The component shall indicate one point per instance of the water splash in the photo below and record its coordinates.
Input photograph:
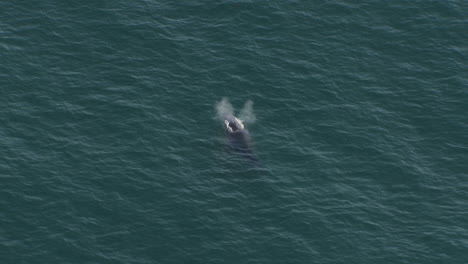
(247, 115)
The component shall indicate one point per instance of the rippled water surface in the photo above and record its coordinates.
(111, 150)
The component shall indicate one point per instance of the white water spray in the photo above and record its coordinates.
(247, 115)
(224, 107)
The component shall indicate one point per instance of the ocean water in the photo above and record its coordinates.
(111, 150)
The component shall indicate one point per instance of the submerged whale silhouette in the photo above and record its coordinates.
(239, 137)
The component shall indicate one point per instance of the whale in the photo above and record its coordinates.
(239, 137)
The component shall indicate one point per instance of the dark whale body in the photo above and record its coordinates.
(238, 136)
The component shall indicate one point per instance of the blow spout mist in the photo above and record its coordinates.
(247, 115)
(224, 108)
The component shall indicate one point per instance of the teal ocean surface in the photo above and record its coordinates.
(111, 150)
